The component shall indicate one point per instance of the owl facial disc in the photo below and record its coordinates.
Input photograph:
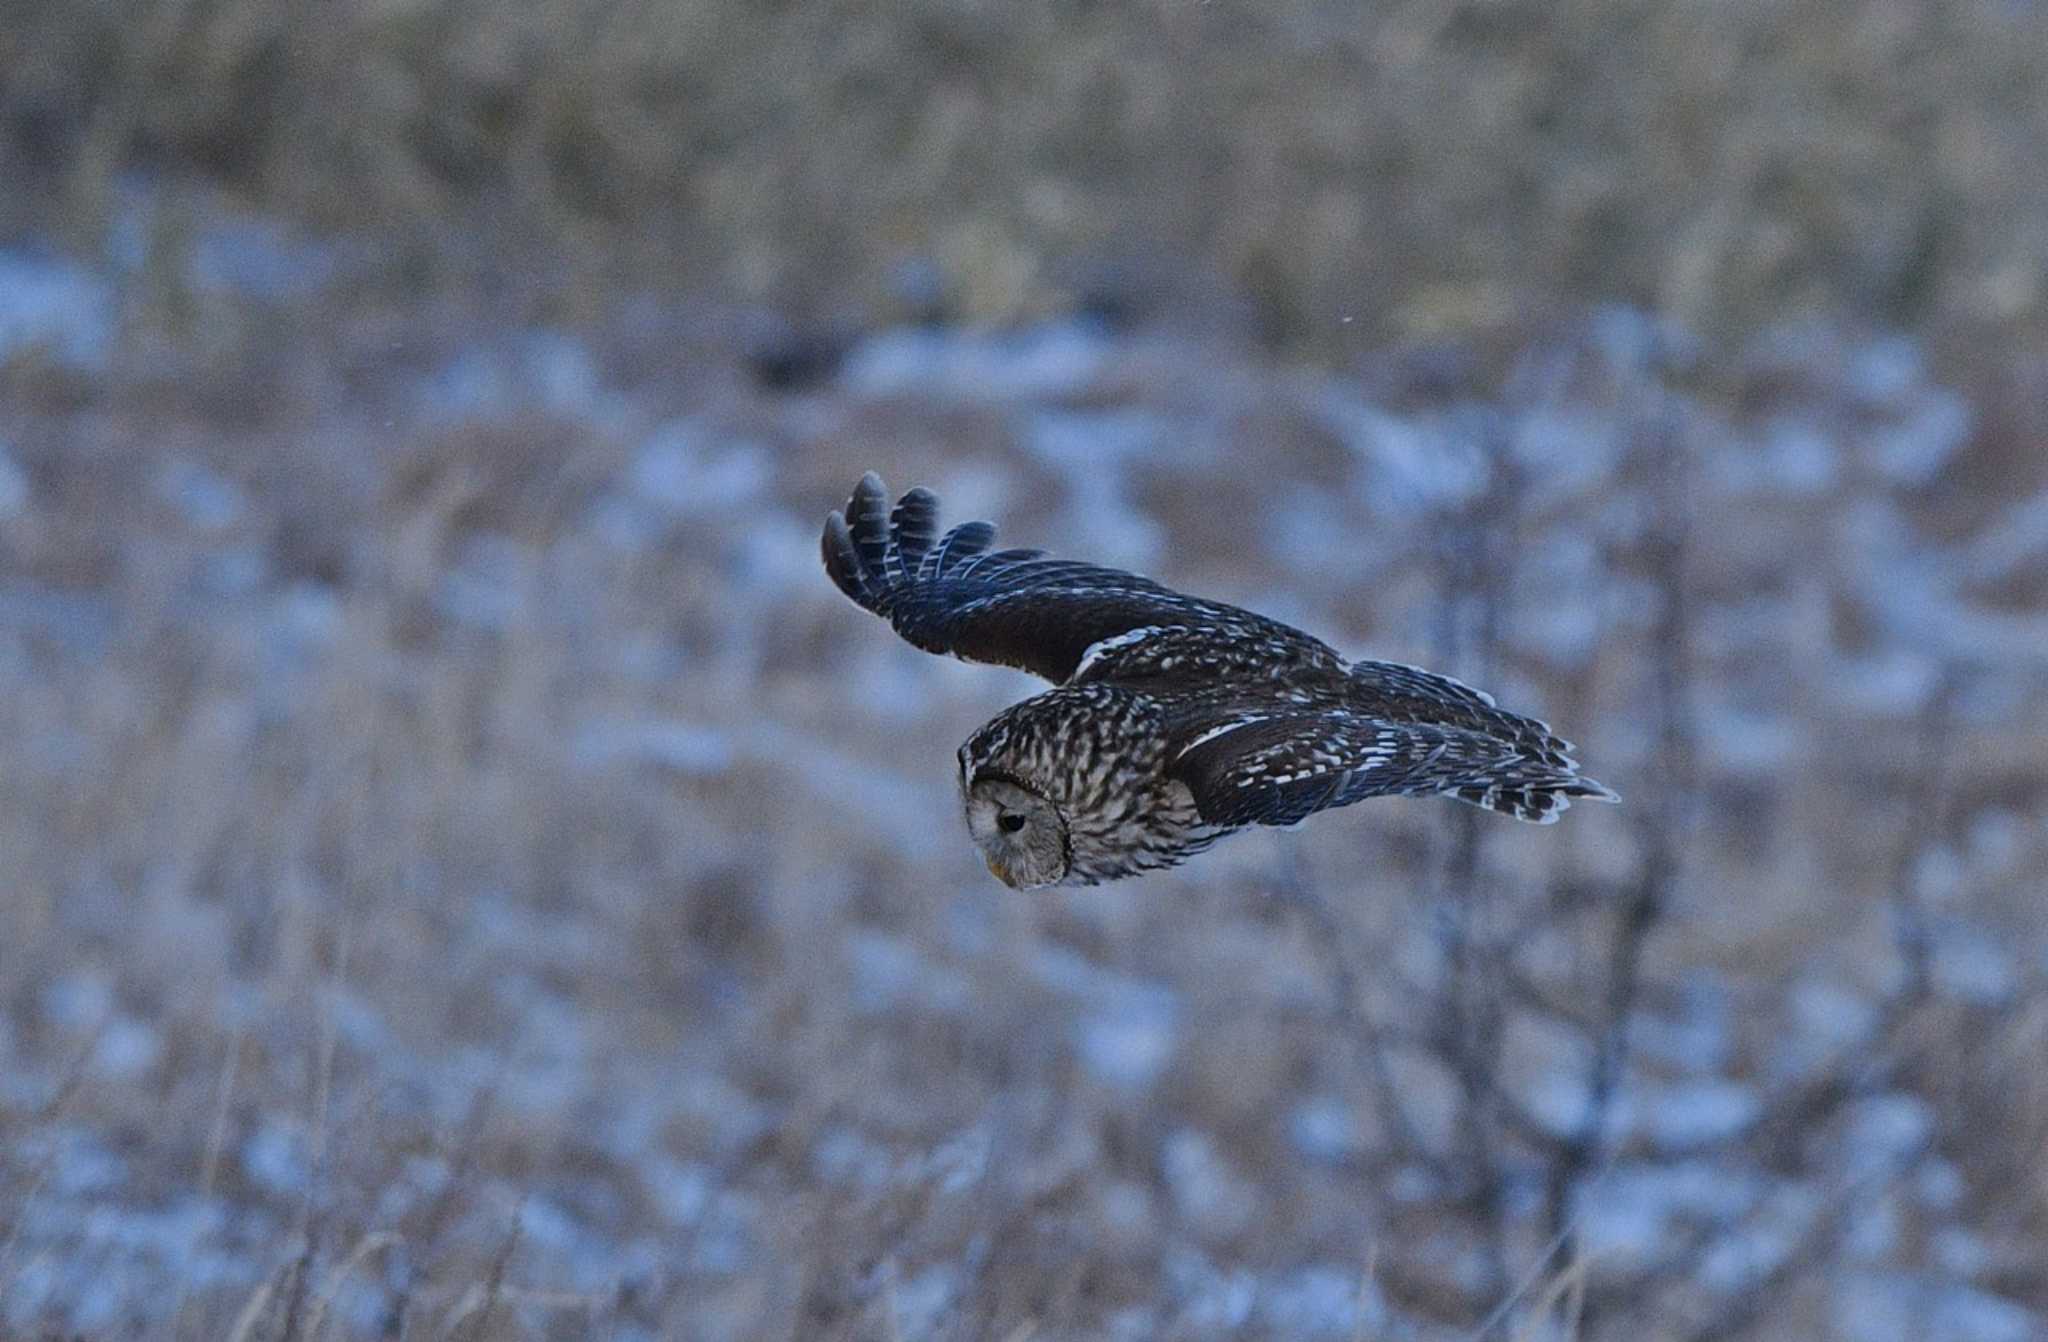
(1021, 835)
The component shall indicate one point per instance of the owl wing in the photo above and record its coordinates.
(1259, 766)
(1053, 617)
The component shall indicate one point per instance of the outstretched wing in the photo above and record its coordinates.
(1261, 767)
(1410, 694)
(1056, 618)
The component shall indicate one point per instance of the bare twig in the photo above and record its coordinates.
(1744, 1307)
(1506, 1308)
(376, 1242)
(1475, 538)
(217, 1132)
(474, 1312)
(1659, 819)
(1370, 1041)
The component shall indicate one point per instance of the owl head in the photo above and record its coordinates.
(1022, 835)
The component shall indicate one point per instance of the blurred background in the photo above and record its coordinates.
(468, 874)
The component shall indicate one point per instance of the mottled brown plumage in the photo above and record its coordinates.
(1173, 720)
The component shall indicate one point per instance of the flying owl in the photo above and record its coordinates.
(1172, 721)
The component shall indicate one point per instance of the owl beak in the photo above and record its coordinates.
(998, 870)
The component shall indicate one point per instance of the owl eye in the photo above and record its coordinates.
(1010, 823)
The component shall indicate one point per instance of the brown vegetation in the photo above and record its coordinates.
(1411, 169)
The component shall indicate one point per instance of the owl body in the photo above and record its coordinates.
(1174, 720)
(1098, 753)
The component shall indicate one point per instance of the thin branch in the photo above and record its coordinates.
(1658, 823)
(1369, 1040)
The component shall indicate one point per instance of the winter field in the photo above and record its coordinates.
(467, 873)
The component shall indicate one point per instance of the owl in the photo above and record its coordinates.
(1172, 720)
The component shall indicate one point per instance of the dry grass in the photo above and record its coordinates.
(1414, 169)
(466, 889)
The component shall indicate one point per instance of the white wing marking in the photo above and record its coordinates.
(1215, 732)
(1101, 646)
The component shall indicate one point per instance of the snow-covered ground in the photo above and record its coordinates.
(466, 867)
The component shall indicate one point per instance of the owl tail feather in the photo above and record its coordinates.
(1508, 763)
(1539, 800)
(873, 551)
